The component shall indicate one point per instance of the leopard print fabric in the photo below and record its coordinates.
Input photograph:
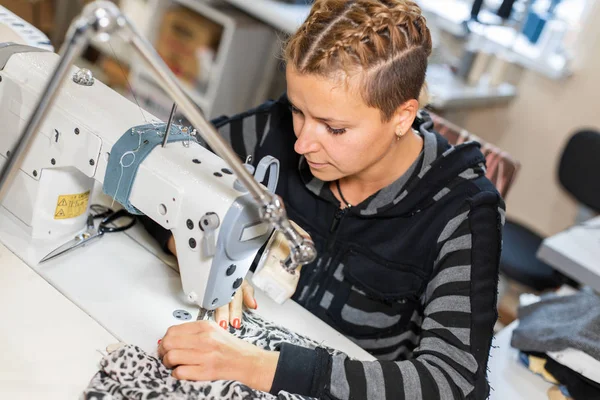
(131, 373)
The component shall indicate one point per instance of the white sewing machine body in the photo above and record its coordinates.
(177, 186)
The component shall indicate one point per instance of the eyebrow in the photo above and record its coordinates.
(322, 119)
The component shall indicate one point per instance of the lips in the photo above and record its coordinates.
(316, 165)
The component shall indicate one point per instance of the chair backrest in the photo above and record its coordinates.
(501, 167)
(579, 168)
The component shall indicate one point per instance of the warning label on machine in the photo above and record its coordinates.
(71, 205)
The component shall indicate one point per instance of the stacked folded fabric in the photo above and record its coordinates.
(559, 339)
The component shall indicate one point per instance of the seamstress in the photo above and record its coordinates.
(407, 227)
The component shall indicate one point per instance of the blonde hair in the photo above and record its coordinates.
(387, 39)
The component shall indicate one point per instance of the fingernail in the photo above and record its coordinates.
(255, 304)
(159, 340)
(223, 324)
(236, 323)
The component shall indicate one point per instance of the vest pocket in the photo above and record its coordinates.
(372, 298)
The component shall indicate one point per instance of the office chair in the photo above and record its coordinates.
(579, 175)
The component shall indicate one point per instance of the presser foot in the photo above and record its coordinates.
(204, 314)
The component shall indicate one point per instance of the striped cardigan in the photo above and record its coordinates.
(410, 274)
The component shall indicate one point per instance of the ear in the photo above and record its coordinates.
(404, 117)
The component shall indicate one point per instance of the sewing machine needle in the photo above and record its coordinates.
(169, 123)
(204, 314)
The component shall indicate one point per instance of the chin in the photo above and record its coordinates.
(325, 176)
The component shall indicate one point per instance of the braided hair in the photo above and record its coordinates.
(387, 42)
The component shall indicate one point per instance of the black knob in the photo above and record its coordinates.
(230, 270)
(237, 283)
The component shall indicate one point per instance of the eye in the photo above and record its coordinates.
(295, 110)
(335, 131)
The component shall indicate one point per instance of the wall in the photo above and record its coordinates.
(535, 127)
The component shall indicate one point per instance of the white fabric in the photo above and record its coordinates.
(579, 362)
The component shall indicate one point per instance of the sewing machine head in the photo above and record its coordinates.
(93, 135)
(64, 141)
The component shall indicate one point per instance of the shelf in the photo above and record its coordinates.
(524, 53)
(146, 89)
(285, 17)
(448, 15)
(449, 92)
(451, 15)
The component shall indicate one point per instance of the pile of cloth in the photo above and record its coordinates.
(129, 372)
(559, 339)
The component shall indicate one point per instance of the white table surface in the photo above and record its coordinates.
(70, 308)
(41, 326)
(50, 347)
(128, 294)
(576, 252)
(132, 293)
(509, 379)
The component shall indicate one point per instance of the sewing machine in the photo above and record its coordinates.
(56, 144)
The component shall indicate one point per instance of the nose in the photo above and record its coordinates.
(307, 139)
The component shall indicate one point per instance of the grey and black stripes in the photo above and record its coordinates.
(437, 341)
(395, 192)
(225, 132)
(244, 135)
(388, 194)
(250, 134)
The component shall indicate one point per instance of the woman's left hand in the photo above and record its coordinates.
(202, 351)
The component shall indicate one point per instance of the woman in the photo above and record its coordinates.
(407, 228)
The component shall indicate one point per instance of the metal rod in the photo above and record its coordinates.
(169, 123)
(71, 48)
(271, 207)
(169, 83)
(302, 250)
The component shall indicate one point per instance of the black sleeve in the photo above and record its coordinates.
(299, 369)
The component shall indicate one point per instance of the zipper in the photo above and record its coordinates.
(319, 275)
(335, 224)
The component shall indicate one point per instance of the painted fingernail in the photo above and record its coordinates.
(255, 304)
(236, 323)
(159, 340)
(223, 324)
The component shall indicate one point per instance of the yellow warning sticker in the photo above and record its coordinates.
(71, 205)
